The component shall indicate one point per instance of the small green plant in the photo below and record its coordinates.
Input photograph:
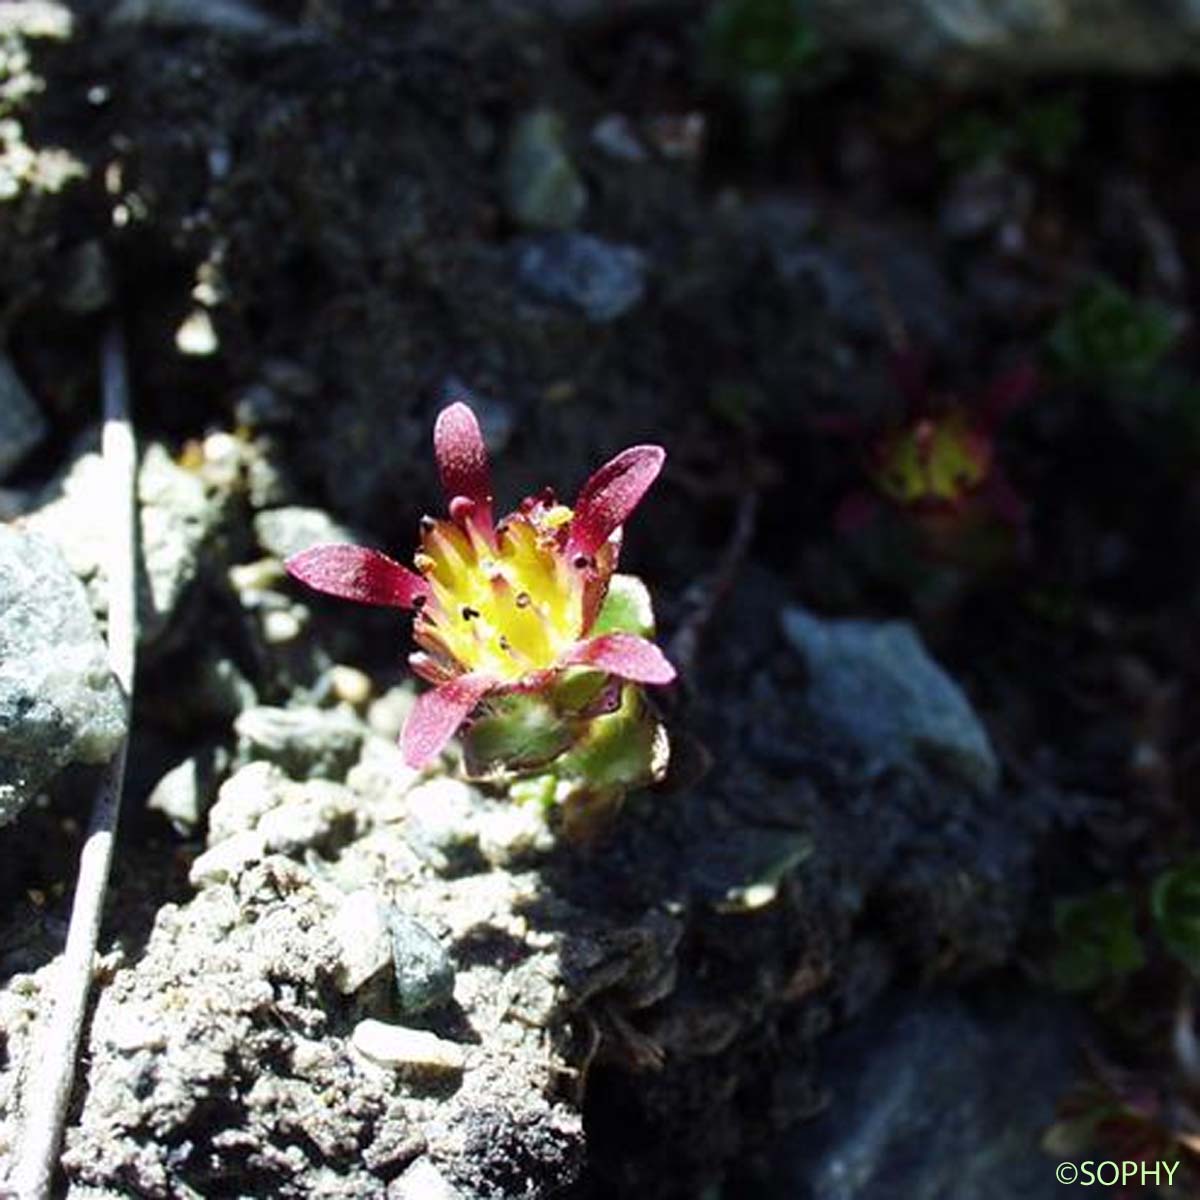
(534, 645)
(1107, 334)
(1175, 906)
(762, 51)
(1048, 131)
(1097, 940)
(1038, 133)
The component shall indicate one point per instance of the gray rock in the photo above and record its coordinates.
(422, 1181)
(602, 280)
(186, 792)
(179, 519)
(226, 861)
(514, 835)
(286, 531)
(414, 1051)
(22, 425)
(291, 817)
(974, 1091)
(318, 815)
(424, 972)
(305, 742)
(542, 188)
(244, 798)
(1016, 35)
(873, 685)
(615, 135)
(360, 930)
(442, 824)
(59, 702)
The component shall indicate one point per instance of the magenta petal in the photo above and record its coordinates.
(437, 714)
(624, 654)
(462, 458)
(357, 573)
(611, 494)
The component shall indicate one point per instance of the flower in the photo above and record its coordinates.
(940, 458)
(501, 607)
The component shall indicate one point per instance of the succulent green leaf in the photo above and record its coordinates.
(627, 608)
(1105, 332)
(625, 749)
(521, 732)
(577, 688)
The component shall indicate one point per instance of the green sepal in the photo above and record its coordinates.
(625, 749)
(576, 689)
(627, 608)
(520, 732)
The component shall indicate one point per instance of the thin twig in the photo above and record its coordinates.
(51, 1072)
(705, 598)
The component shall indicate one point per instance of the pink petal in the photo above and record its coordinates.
(357, 573)
(462, 459)
(437, 714)
(624, 654)
(611, 494)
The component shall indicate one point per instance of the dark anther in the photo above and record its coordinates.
(419, 602)
(523, 600)
(428, 524)
(469, 613)
(580, 561)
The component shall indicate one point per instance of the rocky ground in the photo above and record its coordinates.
(898, 742)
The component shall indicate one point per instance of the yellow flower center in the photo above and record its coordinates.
(938, 460)
(505, 610)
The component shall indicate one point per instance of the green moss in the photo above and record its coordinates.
(1098, 940)
(1107, 333)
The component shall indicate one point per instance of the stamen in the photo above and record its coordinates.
(524, 600)
(461, 508)
(424, 563)
(469, 613)
(581, 561)
(428, 524)
(419, 602)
